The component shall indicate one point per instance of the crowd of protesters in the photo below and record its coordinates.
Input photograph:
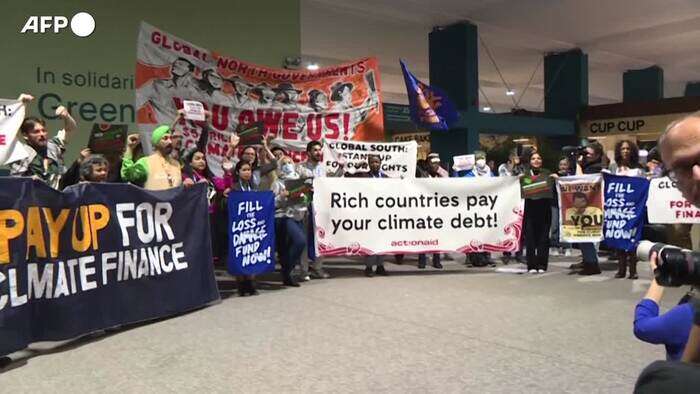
(264, 167)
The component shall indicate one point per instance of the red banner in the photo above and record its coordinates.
(340, 102)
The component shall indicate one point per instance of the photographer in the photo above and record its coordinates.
(680, 151)
(670, 329)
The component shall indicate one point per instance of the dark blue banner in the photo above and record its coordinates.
(625, 205)
(97, 256)
(251, 241)
(430, 107)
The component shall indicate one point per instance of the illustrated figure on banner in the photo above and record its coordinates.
(581, 212)
(159, 93)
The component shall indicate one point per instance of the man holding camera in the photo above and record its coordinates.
(680, 152)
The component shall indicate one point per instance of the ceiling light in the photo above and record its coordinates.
(312, 67)
(487, 109)
(510, 93)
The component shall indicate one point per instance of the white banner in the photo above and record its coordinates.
(11, 117)
(580, 208)
(398, 158)
(666, 204)
(367, 216)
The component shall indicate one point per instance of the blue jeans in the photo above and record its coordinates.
(590, 255)
(311, 242)
(291, 239)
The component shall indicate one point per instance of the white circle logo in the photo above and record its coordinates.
(82, 24)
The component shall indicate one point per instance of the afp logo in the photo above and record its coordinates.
(82, 24)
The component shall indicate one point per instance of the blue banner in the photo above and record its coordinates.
(625, 206)
(430, 107)
(252, 232)
(98, 255)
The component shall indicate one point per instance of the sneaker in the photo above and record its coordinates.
(576, 266)
(319, 274)
(532, 272)
(568, 253)
(382, 271)
(306, 278)
(554, 252)
(541, 271)
(436, 264)
(368, 272)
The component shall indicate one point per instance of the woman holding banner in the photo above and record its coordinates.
(536, 184)
(290, 212)
(564, 169)
(627, 164)
(244, 174)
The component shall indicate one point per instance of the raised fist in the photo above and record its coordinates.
(133, 140)
(25, 98)
(62, 112)
(84, 154)
(234, 140)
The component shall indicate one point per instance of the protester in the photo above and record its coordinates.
(626, 164)
(592, 163)
(244, 175)
(429, 168)
(158, 171)
(313, 168)
(511, 167)
(536, 184)
(435, 166)
(290, 212)
(563, 169)
(278, 152)
(250, 154)
(432, 171)
(491, 164)
(95, 168)
(670, 329)
(195, 170)
(44, 158)
(654, 166)
(479, 169)
(374, 162)
(72, 175)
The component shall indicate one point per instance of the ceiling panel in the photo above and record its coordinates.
(617, 36)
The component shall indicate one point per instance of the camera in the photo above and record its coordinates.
(574, 150)
(675, 266)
